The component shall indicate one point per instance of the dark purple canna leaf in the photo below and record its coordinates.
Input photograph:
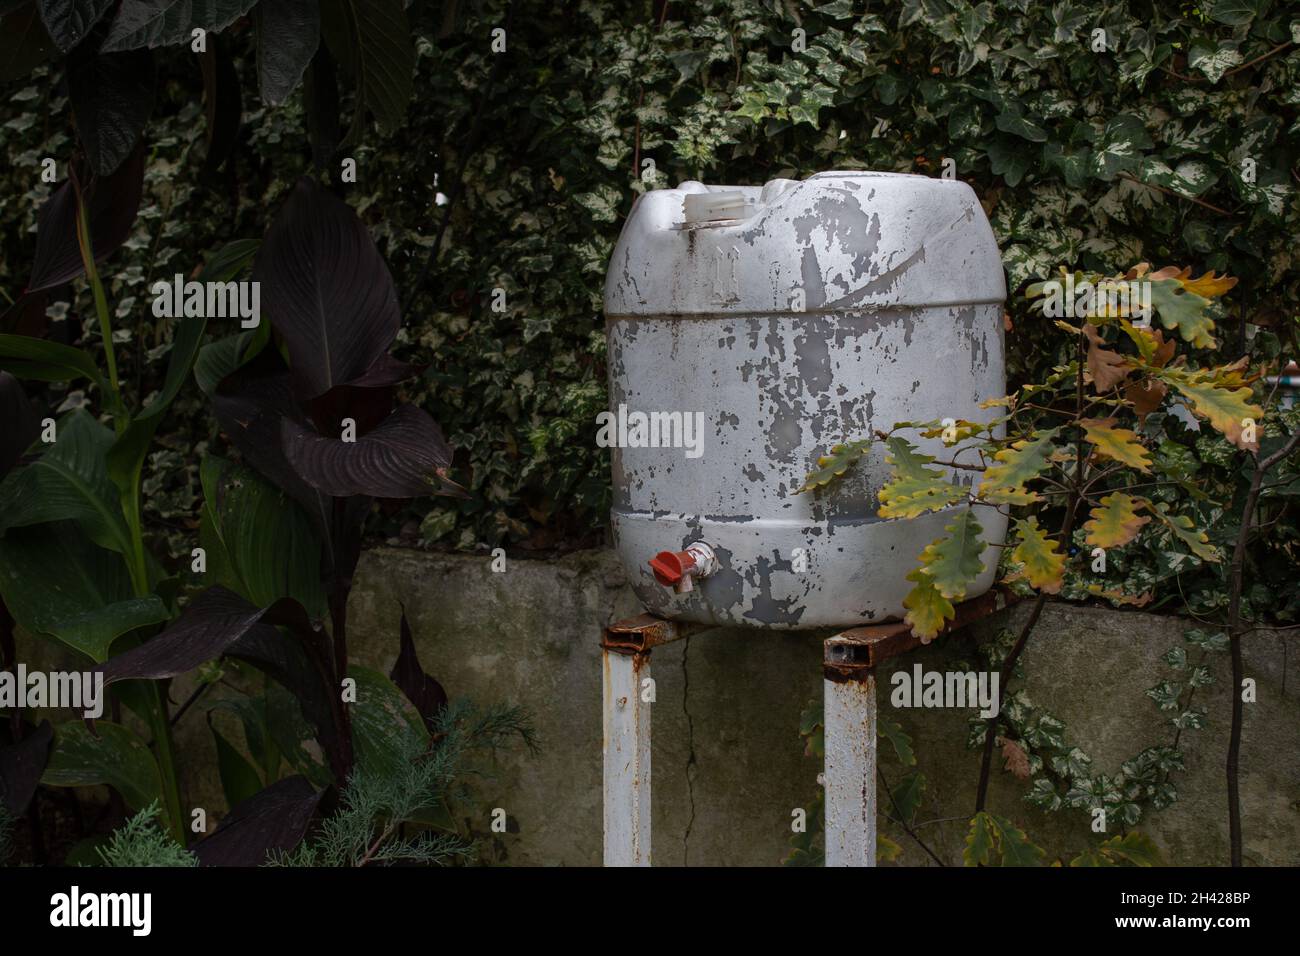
(326, 289)
(384, 372)
(111, 206)
(219, 622)
(420, 689)
(249, 405)
(68, 22)
(272, 821)
(222, 103)
(21, 766)
(214, 621)
(112, 98)
(401, 458)
(21, 424)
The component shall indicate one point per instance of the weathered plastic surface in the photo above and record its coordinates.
(900, 319)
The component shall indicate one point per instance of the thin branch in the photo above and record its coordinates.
(1178, 195)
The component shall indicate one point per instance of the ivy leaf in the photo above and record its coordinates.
(1185, 530)
(1227, 409)
(834, 464)
(1025, 460)
(953, 562)
(892, 731)
(1117, 444)
(1115, 522)
(927, 609)
(1214, 60)
(914, 489)
(1044, 565)
(905, 799)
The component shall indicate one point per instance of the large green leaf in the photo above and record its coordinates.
(57, 583)
(69, 481)
(46, 361)
(116, 757)
(218, 359)
(239, 779)
(259, 542)
(382, 718)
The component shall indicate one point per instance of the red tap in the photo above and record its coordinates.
(670, 567)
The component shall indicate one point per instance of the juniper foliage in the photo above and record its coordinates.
(376, 809)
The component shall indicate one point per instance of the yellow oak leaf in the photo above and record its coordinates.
(1044, 565)
(927, 609)
(1115, 522)
(1117, 444)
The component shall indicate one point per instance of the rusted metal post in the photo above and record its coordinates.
(850, 771)
(849, 662)
(627, 759)
(627, 694)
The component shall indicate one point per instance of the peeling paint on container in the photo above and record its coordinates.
(835, 306)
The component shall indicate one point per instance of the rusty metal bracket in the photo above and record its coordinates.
(641, 634)
(851, 654)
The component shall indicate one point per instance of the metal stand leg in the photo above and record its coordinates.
(626, 750)
(849, 662)
(625, 651)
(850, 774)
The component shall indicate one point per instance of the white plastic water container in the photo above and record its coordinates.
(784, 319)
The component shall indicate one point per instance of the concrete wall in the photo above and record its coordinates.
(728, 763)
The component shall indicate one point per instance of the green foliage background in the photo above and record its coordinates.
(1093, 159)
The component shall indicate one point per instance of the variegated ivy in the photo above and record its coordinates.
(1074, 443)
